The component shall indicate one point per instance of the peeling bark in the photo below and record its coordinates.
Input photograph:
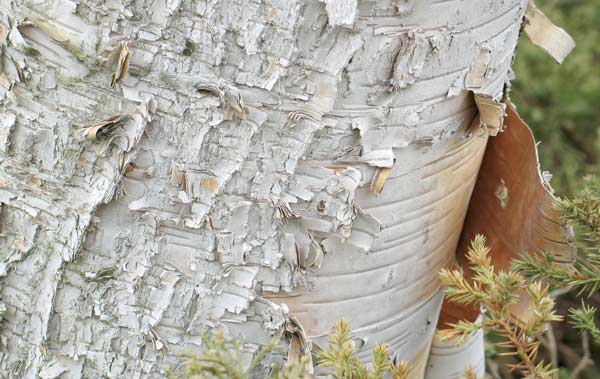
(170, 167)
(513, 206)
(542, 32)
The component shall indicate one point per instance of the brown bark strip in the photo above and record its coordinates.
(512, 205)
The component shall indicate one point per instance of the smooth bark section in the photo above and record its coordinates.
(390, 292)
(450, 360)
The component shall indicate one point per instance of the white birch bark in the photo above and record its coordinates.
(236, 192)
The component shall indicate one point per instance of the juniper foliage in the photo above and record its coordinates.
(499, 292)
(583, 213)
(340, 357)
(222, 359)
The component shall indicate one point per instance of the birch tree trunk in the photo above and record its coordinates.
(263, 167)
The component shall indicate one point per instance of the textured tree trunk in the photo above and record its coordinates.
(263, 167)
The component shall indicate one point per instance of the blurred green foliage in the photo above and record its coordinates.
(561, 103)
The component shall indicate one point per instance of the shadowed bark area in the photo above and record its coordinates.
(170, 167)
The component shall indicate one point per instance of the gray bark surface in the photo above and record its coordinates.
(225, 180)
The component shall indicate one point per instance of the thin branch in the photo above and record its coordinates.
(493, 368)
(585, 359)
(551, 345)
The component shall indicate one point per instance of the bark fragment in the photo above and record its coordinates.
(491, 113)
(228, 94)
(6, 126)
(476, 76)
(378, 181)
(340, 12)
(106, 127)
(299, 345)
(119, 59)
(416, 46)
(543, 33)
(12, 61)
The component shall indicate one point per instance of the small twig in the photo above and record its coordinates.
(585, 359)
(493, 368)
(551, 345)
